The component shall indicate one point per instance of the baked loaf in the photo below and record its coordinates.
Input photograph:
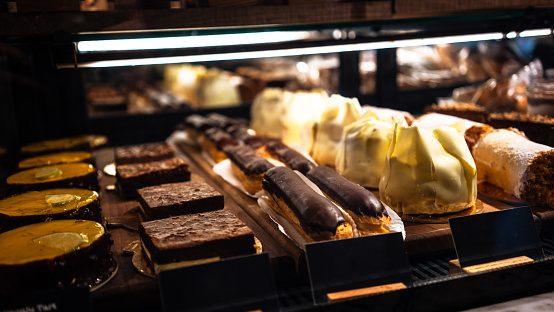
(519, 166)
(289, 156)
(428, 171)
(313, 216)
(363, 206)
(142, 153)
(469, 111)
(53, 255)
(78, 175)
(174, 199)
(195, 238)
(537, 128)
(131, 177)
(52, 204)
(248, 166)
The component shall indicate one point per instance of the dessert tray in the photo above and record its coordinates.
(106, 276)
(479, 207)
(494, 192)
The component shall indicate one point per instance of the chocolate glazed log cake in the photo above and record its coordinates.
(173, 199)
(289, 156)
(216, 141)
(195, 238)
(313, 216)
(248, 166)
(131, 177)
(362, 205)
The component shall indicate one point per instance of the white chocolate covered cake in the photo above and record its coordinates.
(361, 155)
(428, 171)
(328, 128)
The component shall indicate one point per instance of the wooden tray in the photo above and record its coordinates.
(422, 239)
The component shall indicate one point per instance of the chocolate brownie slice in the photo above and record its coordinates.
(188, 239)
(131, 177)
(142, 153)
(174, 199)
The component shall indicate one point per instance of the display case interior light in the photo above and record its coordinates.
(336, 48)
(190, 41)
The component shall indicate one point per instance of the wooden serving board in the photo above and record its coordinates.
(422, 239)
(265, 228)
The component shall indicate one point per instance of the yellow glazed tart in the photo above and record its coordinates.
(83, 142)
(56, 254)
(54, 159)
(78, 175)
(40, 206)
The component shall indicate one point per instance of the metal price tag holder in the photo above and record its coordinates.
(357, 267)
(495, 240)
(59, 300)
(236, 284)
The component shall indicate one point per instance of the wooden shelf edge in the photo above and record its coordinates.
(41, 24)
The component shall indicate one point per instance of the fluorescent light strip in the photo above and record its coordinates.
(190, 41)
(294, 52)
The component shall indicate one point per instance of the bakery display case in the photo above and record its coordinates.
(229, 69)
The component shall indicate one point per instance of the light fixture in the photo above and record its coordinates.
(190, 41)
(347, 47)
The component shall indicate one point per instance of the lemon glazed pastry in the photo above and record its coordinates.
(313, 216)
(519, 166)
(55, 254)
(428, 171)
(78, 175)
(55, 159)
(249, 167)
(52, 204)
(363, 206)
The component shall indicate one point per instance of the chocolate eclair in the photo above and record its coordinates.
(247, 136)
(224, 122)
(248, 166)
(196, 125)
(314, 216)
(362, 205)
(289, 156)
(216, 141)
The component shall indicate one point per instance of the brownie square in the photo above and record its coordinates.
(208, 235)
(131, 177)
(174, 199)
(142, 153)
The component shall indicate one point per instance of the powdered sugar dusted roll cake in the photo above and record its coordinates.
(517, 165)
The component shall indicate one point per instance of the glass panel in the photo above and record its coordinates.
(368, 69)
(181, 87)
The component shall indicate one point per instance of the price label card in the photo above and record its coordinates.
(235, 284)
(494, 236)
(62, 300)
(355, 263)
